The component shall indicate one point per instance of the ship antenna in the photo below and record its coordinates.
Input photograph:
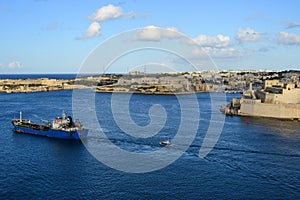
(20, 116)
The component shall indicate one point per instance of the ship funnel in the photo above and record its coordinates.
(63, 115)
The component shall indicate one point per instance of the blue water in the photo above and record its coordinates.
(254, 158)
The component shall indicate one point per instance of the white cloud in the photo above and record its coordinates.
(1, 65)
(209, 41)
(288, 38)
(15, 64)
(155, 33)
(248, 35)
(93, 30)
(103, 14)
(218, 46)
(106, 13)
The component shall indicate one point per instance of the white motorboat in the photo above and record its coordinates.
(166, 143)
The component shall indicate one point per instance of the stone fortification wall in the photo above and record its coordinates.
(291, 96)
(282, 111)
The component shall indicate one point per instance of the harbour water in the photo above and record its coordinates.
(254, 158)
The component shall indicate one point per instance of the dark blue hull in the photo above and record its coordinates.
(54, 133)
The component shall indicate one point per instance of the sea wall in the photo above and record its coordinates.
(281, 111)
(290, 96)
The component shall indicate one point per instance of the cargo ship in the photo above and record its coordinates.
(62, 127)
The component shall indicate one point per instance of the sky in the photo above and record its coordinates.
(54, 36)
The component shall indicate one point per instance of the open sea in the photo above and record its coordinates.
(254, 158)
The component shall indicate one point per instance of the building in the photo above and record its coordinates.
(274, 100)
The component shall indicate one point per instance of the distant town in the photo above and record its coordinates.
(160, 83)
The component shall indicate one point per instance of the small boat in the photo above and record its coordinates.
(61, 127)
(165, 143)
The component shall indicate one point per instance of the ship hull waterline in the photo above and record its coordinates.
(53, 133)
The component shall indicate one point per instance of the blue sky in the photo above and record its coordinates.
(52, 36)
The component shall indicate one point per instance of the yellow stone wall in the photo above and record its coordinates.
(283, 111)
